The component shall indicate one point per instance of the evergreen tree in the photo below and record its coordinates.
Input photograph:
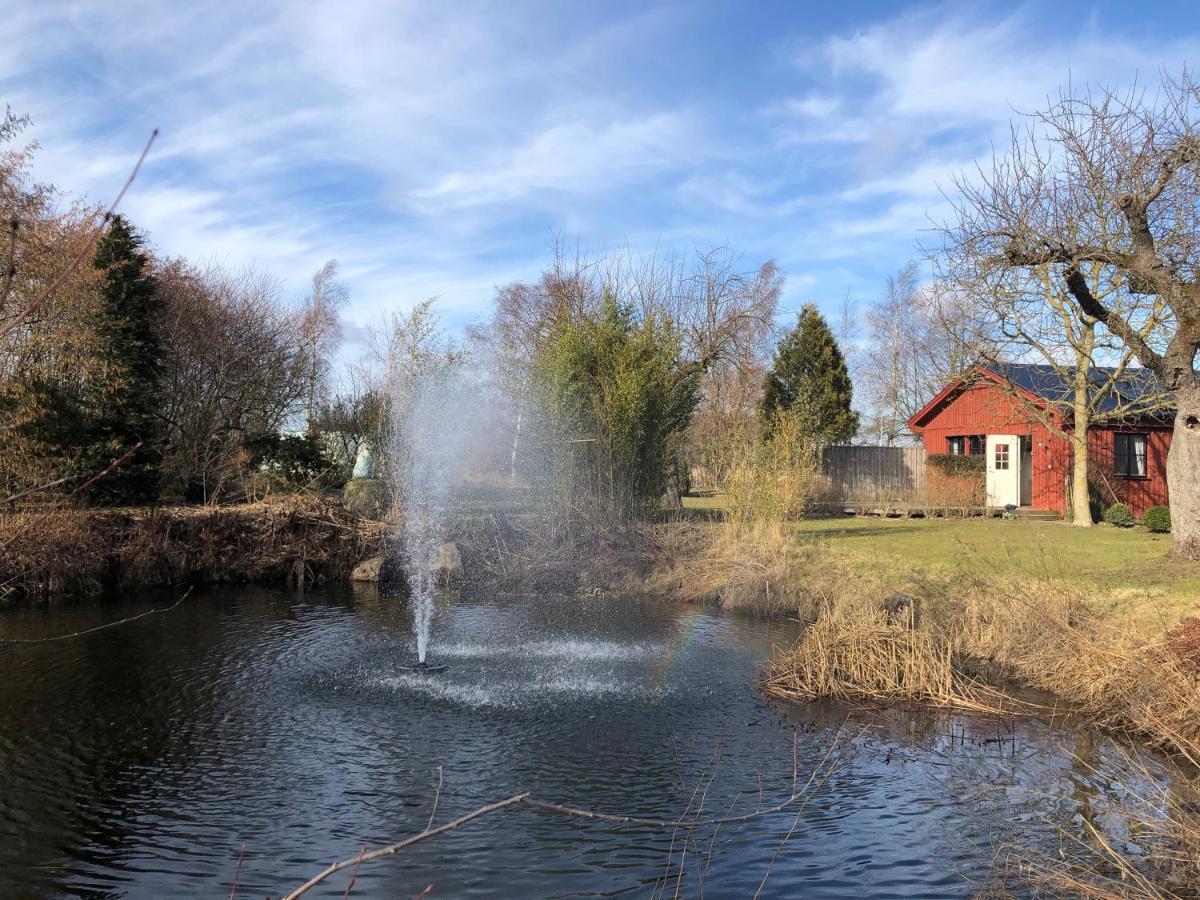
(809, 381)
(126, 395)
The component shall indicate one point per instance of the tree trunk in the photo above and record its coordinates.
(1183, 474)
(1081, 416)
(1081, 508)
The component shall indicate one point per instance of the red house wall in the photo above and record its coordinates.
(1139, 493)
(987, 408)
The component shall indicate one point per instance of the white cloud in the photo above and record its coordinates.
(571, 157)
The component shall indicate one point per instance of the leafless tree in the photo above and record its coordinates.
(320, 332)
(724, 314)
(1111, 179)
(234, 369)
(918, 339)
(1030, 316)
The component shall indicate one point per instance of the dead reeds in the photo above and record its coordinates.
(63, 551)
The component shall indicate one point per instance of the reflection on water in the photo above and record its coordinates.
(139, 761)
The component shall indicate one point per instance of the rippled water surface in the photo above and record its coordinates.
(143, 760)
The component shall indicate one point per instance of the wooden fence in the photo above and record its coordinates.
(858, 473)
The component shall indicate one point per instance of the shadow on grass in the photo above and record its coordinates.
(834, 531)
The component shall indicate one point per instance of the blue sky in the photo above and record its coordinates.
(438, 148)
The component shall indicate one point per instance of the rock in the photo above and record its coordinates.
(364, 462)
(369, 569)
(904, 609)
(366, 498)
(449, 561)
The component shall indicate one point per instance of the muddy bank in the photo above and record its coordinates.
(70, 553)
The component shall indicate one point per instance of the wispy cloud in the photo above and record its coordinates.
(435, 150)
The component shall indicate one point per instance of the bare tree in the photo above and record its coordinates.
(320, 332)
(724, 315)
(1089, 376)
(918, 339)
(234, 370)
(1110, 179)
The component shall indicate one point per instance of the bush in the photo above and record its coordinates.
(1157, 519)
(294, 460)
(1119, 514)
(775, 479)
(957, 463)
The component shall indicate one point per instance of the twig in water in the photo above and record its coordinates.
(237, 871)
(400, 845)
(436, 796)
(690, 823)
(63, 637)
(354, 874)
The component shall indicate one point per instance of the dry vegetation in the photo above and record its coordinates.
(977, 635)
(48, 553)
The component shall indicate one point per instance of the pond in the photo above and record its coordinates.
(286, 731)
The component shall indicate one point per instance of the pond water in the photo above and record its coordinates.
(285, 729)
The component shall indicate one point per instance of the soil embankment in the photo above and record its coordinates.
(55, 553)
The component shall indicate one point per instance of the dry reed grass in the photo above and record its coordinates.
(63, 551)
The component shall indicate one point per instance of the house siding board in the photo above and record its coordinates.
(1139, 493)
(987, 408)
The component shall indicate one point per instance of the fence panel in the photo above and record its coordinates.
(875, 473)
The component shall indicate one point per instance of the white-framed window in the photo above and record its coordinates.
(1001, 457)
(1129, 455)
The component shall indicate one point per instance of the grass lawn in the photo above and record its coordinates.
(1118, 564)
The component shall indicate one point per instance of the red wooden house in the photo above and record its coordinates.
(1004, 411)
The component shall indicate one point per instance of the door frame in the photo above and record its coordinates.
(1003, 485)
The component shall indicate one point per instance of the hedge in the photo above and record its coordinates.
(957, 464)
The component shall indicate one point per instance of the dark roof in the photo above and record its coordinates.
(1136, 391)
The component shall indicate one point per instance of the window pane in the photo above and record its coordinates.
(1121, 454)
(977, 443)
(1139, 449)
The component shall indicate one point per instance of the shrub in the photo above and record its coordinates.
(957, 463)
(294, 460)
(1157, 519)
(776, 479)
(1119, 514)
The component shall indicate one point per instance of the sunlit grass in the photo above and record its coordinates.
(1119, 565)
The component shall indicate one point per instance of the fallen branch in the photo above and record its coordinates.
(407, 842)
(63, 637)
(525, 799)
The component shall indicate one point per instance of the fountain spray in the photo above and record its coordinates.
(431, 432)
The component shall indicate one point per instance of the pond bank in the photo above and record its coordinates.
(73, 553)
(881, 630)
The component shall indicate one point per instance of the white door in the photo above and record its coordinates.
(1003, 470)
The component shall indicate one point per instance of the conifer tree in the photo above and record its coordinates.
(126, 395)
(809, 380)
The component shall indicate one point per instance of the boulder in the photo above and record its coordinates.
(903, 609)
(369, 569)
(366, 498)
(449, 561)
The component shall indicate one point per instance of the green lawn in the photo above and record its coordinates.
(1114, 562)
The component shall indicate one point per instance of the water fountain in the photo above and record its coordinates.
(430, 434)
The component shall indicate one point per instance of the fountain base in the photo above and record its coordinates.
(425, 667)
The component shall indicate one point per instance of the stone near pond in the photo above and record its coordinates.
(449, 560)
(368, 570)
(903, 608)
(364, 462)
(366, 498)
